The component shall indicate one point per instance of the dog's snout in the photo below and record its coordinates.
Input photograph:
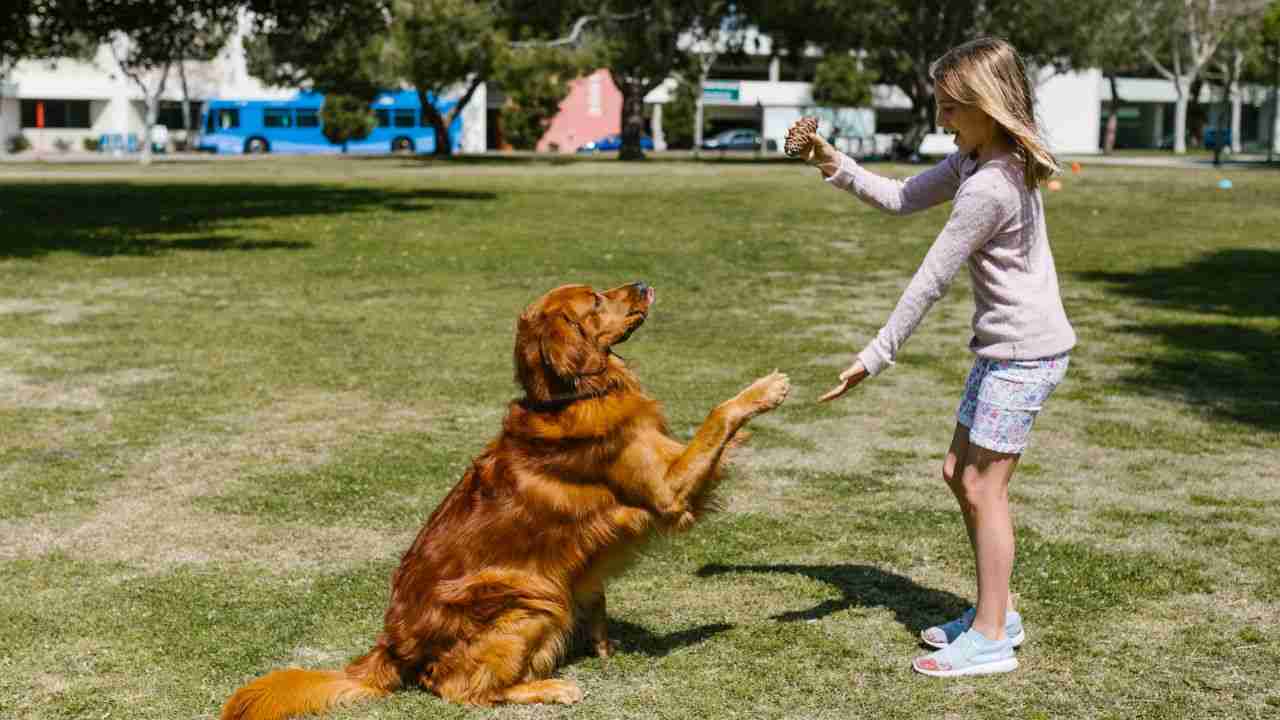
(643, 291)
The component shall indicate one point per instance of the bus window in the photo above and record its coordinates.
(277, 118)
(404, 118)
(384, 118)
(208, 121)
(228, 119)
(308, 118)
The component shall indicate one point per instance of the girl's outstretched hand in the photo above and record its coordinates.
(850, 377)
(804, 142)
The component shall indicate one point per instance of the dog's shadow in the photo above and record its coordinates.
(914, 606)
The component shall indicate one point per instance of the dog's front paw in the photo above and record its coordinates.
(767, 393)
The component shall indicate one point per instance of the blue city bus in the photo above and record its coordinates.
(293, 126)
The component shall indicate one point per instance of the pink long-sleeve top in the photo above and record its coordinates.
(996, 228)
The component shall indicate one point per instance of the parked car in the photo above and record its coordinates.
(613, 142)
(736, 139)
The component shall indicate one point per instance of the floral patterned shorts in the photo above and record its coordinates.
(1002, 397)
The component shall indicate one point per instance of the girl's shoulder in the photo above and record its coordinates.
(1001, 176)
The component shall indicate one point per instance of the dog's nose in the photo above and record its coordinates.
(642, 287)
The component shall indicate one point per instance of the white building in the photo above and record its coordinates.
(58, 105)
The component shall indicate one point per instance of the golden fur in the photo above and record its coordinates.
(487, 598)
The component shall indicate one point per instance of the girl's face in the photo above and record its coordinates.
(973, 128)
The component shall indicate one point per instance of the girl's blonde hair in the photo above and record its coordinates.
(988, 74)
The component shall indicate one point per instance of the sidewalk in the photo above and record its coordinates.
(1234, 162)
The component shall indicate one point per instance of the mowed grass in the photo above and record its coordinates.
(231, 392)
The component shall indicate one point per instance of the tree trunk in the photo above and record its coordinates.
(153, 107)
(1180, 118)
(1113, 119)
(633, 92)
(443, 147)
(186, 105)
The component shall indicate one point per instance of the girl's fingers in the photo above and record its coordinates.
(835, 392)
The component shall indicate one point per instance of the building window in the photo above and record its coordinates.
(308, 118)
(55, 114)
(277, 118)
(595, 96)
(404, 118)
(170, 115)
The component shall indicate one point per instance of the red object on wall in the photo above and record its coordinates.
(39, 113)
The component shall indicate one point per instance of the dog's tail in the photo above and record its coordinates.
(288, 693)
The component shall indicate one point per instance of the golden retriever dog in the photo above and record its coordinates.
(486, 600)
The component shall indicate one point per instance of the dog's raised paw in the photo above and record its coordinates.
(768, 392)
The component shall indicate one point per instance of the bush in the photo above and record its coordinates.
(19, 143)
(535, 82)
(62, 144)
(344, 118)
(92, 144)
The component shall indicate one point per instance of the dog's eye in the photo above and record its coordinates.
(599, 301)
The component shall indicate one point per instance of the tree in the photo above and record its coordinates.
(39, 29)
(640, 43)
(437, 44)
(147, 37)
(535, 81)
(679, 117)
(326, 46)
(841, 81)
(346, 117)
(901, 38)
(1187, 33)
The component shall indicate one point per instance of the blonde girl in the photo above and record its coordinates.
(1021, 336)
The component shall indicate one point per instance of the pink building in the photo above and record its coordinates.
(592, 110)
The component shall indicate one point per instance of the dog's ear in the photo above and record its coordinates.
(567, 350)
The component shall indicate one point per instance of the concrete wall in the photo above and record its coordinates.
(1069, 111)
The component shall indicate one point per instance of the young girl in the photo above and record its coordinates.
(1021, 335)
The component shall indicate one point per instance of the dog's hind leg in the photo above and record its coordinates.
(509, 662)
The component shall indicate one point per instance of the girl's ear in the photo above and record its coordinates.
(567, 351)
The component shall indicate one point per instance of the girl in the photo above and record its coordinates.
(1021, 335)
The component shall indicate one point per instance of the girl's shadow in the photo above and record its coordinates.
(915, 606)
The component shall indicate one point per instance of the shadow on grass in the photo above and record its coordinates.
(102, 219)
(915, 606)
(1226, 367)
(634, 638)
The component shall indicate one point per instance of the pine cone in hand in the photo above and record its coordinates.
(798, 141)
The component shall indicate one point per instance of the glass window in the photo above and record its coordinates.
(384, 118)
(228, 119)
(277, 118)
(308, 118)
(170, 115)
(404, 118)
(55, 114)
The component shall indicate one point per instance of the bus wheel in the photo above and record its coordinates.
(256, 146)
(402, 145)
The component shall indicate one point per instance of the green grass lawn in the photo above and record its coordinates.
(231, 392)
